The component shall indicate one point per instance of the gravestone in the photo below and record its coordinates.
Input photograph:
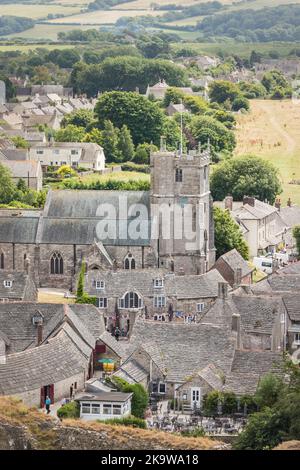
(2, 92)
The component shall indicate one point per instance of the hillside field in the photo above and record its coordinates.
(271, 130)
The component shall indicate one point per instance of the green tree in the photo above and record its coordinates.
(94, 136)
(173, 95)
(296, 235)
(7, 186)
(143, 117)
(206, 128)
(125, 144)
(70, 133)
(20, 142)
(143, 151)
(21, 186)
(80, 284)
(228, 234)
(247, 175)
(110, 140)
(240, 103)
(79, 118)
(65, 170)
(221, 90)
(268, 391)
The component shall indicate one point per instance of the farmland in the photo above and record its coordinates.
(271, 130)
(103, 17)
(38, 11)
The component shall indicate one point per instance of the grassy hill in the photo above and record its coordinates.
(271, 130)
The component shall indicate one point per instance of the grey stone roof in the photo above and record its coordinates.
(70, 217)
(15, 154)
(278, 283)
(185, 348)
(18, 230)
(212, 376)
(132, 372)
(258, 212)
(249, 367)
(290, 215)
(16, 322)
(258, 314)
(292, 304)
(142, 281)
(235, 261)
(57, 360)
(19, 284)
(116, 346)
(23, 169)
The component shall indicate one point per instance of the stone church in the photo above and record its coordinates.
(169, 227)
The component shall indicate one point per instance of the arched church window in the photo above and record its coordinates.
(129, 262)
(1, 260)
(56, 264)
(131, 300)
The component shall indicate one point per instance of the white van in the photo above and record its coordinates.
(265, 264)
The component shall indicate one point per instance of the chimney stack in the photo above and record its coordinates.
(228, 203)
(222, 290)
(249, 200)
(39, 333)
(237, 277)
(236, 327)
(277, 203)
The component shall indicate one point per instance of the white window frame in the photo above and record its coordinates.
(200, 307)
(158, 283)
(102, 302)
(7, 284)
(159, 301)
(100, 285)
(85, 406)
(97, 407)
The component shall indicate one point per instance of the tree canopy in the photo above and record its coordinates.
(228, 234)
(144, 118)
(245, 176)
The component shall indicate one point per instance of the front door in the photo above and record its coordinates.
(195, 397)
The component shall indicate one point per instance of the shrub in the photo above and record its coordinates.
(131, 421)
(70, 410)
(130, 166)
(139, 399)
(197, 432)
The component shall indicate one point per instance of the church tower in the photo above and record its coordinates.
(181, 210)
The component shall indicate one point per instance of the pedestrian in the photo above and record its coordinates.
(117, 333)
(47, 403)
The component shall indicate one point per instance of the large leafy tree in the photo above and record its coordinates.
(228, 234)
(80, 118)
(143, 117)
(110, 140)
(7, 186)
(206, 129)
(70, 133)
(221, 90)
(125, 144)
(247, 175)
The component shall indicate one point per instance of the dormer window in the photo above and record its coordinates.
(100, 284)
(7, 284)
(158, 283)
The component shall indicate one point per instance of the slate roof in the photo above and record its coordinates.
(19, 284)
(278, 283)
(212, 376)
(292, 305)
(235, 261)
(185, 348)
(258, 212)
(15, 154)
(249, 367)
(132, 372)
(16, 322)
(142, 281)
(18, 229)
(290, 215)
(70, 217)
(116, 346)
(49, 363)
(23, 169)
(258, 314)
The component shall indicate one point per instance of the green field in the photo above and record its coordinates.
(38, 11)
(28, 47)
(103, 16)
(271, 130)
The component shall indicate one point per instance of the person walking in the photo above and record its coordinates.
(47, 403)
